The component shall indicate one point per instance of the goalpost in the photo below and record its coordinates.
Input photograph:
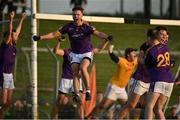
(34, 62)
(36, 16)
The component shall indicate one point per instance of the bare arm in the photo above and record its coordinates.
(141, 57)
(51, 35)
(18, 29)
(100, 47)
(8, 38)
(57, 50)
(100, 35)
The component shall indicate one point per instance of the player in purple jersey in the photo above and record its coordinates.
(79, 32)
(140, 78)
(158, 65)
(7, 60)
(66, 83)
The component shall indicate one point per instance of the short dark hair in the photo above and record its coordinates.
(78, 8)
(128, 51)
(152, 33)
(7, 32)
(158, 28)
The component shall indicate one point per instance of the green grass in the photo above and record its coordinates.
(125, 35)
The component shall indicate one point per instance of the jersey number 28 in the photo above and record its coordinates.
(163, 59)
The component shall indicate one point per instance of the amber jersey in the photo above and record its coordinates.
(123, 72)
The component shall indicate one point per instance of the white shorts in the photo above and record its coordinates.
(77, 58)
(8, 82)
(164, 88)
(66, 85)
(140, 87)
(114, 92)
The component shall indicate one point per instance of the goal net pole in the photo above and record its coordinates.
(34, 61)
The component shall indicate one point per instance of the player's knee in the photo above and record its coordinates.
(158, 110)
(101, 107)
(131, 106)
(62, 100)
(83, 68)
(5, 105)
(150, 107)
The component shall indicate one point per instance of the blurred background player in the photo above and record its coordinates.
(7, 61)
(158, 65)
(141, 80)
(79, 32)
(116, 87)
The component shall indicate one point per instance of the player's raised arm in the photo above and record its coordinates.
(102, 35)
(141, 57)
(57, 50)
(47, 36)
(18, 29)
(8, 37)
(112, 55)
(100, 47)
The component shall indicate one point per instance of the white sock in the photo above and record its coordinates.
(88, 91)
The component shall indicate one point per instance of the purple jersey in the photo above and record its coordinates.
(141, 72)
(7, 58)
(158, 63)
(79, 36)
(66, 66)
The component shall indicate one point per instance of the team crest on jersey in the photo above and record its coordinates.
(71, 28)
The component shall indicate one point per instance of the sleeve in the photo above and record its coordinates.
(65, 52)
(144, 47)
(92, 29)
(63, 29)
(150, 60)
(114, 57)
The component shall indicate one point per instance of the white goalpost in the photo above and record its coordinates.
(34, 62)
(36, 16)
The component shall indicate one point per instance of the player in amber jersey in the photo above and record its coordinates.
(116, 87)
(141, 80)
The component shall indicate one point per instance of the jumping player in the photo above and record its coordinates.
(79, 32)
(7, 61)
(66, 83)
(116, 87)
(158, 65)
